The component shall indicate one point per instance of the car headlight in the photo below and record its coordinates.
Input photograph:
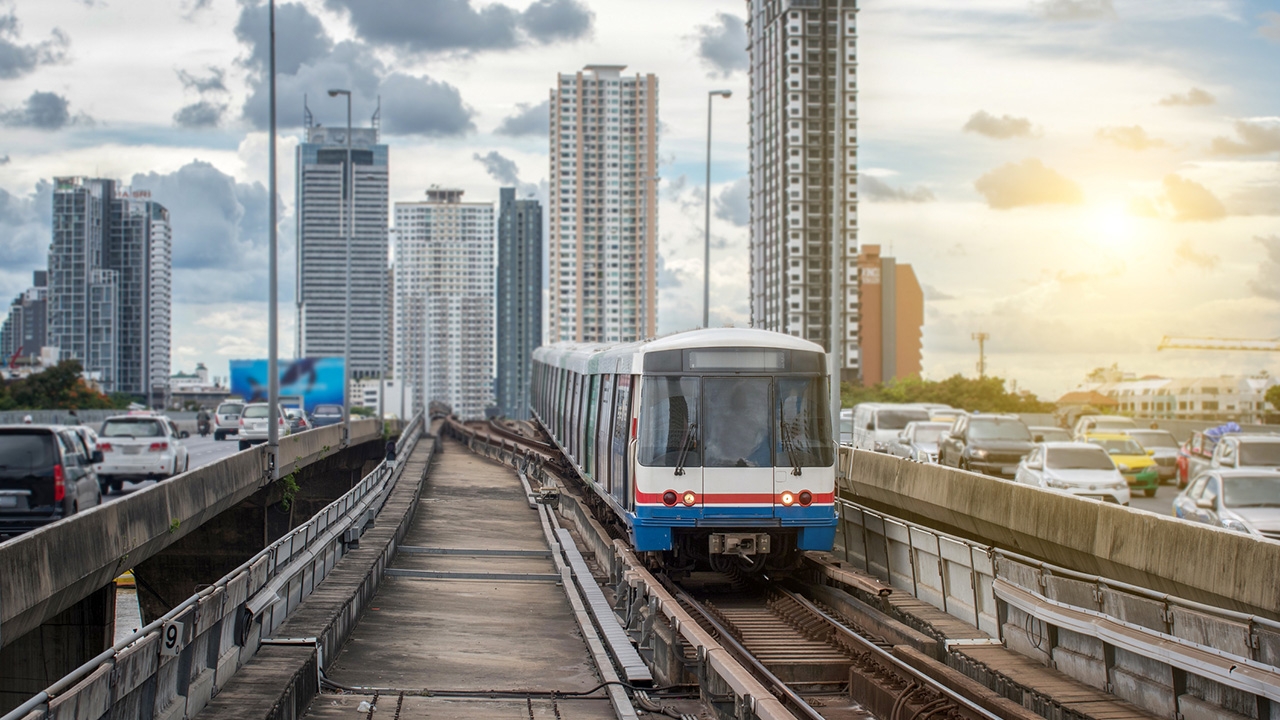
(1054, 482)
(1122, 467)
(1235, 525)
(979, 454)
(881, 447)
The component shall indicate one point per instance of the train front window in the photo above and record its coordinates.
(669, 419)
(737, 432)
(804, 427)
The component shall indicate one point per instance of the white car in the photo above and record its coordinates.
(1075, 468)
(138, 447)
(253, 424)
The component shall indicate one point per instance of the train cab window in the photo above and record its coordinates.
(804, 426)
(669, 417)
(737, 416)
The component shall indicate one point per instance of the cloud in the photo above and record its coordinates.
(1131, 137)
(1071, 10)
(499, 167)
(933, 294)
(1001, 128)
(723, 44)
(214, 82)
(1270, 28)
(26, 228)
(527, 120)
(1267, 283)
(43, 111)
(1027, 183)
(455, 26)
(1143, 207)
(300, 37)
(1256, 138)
(874, 188)
(1186, 255)
(422, 106)
(1193, 97)
(17, 59)
(1191, 201)
(4, 160)
(202, 114)
(190, 8)
(733, 203)
(1258, 198)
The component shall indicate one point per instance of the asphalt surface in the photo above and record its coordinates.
(1161, 504)
(203, 450)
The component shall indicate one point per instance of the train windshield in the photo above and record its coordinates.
(670, 417)
(737, 413)
(804, 427)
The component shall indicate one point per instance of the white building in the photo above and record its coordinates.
(1228, 397)
(603, 240)
(444, 282)
(797, 101)
(365, 394)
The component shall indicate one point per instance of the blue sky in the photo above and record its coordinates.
(1085, 212)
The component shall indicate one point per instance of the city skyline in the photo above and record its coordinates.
(1140, 134)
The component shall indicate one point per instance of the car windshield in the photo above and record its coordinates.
(999, 429)
(1103, 424)
(1119, 447)
(328, 410)
(1260, 453)
(230, 409)
(1078, 459)
(1155, 439)
(898, 419)
(29, 450)
(1252, 491)
(132, 427)
(255, 411)
(928, 433)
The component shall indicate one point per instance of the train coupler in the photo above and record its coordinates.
(741, 544)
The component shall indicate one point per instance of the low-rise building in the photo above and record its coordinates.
(1226, 397)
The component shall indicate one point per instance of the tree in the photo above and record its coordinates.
(57, 388)
(1273, 397)
(986, 394)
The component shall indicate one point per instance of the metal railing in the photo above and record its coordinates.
(197, 646)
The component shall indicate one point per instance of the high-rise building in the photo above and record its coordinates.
(25, 331)
(109, 285)
(444, 301)
(804, 206)
(892, 313)
(603, 237)
(324, 198)
(519, 300)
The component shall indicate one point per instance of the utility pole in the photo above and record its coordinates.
(982, 339)
(273, 348)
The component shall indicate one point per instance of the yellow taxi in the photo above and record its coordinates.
(1132, 460)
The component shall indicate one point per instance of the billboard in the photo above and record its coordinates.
(316, 380)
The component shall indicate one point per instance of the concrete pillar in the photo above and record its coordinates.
(43, 656)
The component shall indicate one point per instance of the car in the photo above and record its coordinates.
(1086, 424)
(1195, 456)
(139, 446)
(1164, 448)
(326, 415)
(1049, 433)
(46, 474)
(226, 419)
(846, 426)
(919, 441)
(875, 425)
(298, 421)
(87, 434)
(253, 424)
(1247, 451)
(1243, 500)
(946, 415)
(985, 443)
(1074, 468)
(1133, 460)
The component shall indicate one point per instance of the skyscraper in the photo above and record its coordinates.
(324, 198)
(604, 211)
(803, 56)
(25, 331)
(444, 300)
(141, 251)
(519, 299)
(892, 307)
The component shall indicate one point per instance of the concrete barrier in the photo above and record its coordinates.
(51, 569)
(1192, 561)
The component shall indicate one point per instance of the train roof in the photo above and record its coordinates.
(621, 358)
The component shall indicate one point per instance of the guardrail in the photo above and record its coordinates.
(175, 664)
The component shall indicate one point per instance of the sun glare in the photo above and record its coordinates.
(1112, 226)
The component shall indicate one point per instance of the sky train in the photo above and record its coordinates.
(712, 445)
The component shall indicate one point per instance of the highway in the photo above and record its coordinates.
(204, 450)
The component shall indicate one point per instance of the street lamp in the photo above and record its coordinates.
(706, 250)
(273, 349)
(349, 227)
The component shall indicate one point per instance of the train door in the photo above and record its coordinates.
(604, 431)
(592, 412)
(737, 453)
(621, 470)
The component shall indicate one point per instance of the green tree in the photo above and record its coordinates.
(981, 394)
(1273, 397)
(57, 388)
(363, 411)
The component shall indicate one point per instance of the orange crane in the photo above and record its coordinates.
(1188, 343)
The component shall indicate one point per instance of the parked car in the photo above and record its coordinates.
(46, 474)
(1246, 501)
(253, 424)
(991, 444)
(1087, 424)
(875, 425)
(138, 447)
(326, 415)
(919, 441)
(1131, 459)
(1162, 446)
(226, 419)
(1049, 433)
(298, 421)
(1075, 468)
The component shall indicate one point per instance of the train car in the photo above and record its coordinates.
(709, 446)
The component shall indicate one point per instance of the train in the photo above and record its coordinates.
(710, 447)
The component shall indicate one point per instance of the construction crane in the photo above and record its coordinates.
(1186, 343)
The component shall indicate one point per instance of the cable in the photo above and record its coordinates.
(428, 692)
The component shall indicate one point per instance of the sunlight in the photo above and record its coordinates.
(1112, 225)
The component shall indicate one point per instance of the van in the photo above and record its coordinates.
(876, 425)
(1087, 424)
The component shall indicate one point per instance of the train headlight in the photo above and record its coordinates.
(788, 499)
(669, 498)
(806, 497)
(689, 497)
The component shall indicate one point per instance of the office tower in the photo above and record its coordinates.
(519, 300)
(804, 112)
(24, 332)
(324, 194)
(78, 286)
(604, 211)
(444, 300)
(892, 314)
(141, 252)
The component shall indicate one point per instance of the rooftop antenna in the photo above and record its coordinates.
(308, 119)
(377, 120)
(982, 339)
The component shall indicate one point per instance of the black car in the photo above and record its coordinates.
(46, 474)
(990, 444)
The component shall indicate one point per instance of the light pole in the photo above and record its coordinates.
(273, 350)
(349, 227)
(706, 249)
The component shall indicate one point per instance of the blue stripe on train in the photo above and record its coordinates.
(651, 527)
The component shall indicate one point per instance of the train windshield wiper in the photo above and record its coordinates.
(789, 447)
(684, 447)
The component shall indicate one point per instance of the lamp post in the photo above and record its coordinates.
(349, 227)
(273, 350)
(706, 249)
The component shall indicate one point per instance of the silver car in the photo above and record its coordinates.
(226, 419)
(919, 441)
(1164, 449)
(253, 424)
(1246, 501)
(1075, 468)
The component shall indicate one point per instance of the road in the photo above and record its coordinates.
(204, 450)
(1161, 504)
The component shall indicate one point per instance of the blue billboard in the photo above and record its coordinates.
(316, 380)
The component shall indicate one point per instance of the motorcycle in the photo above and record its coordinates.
(202, 426)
